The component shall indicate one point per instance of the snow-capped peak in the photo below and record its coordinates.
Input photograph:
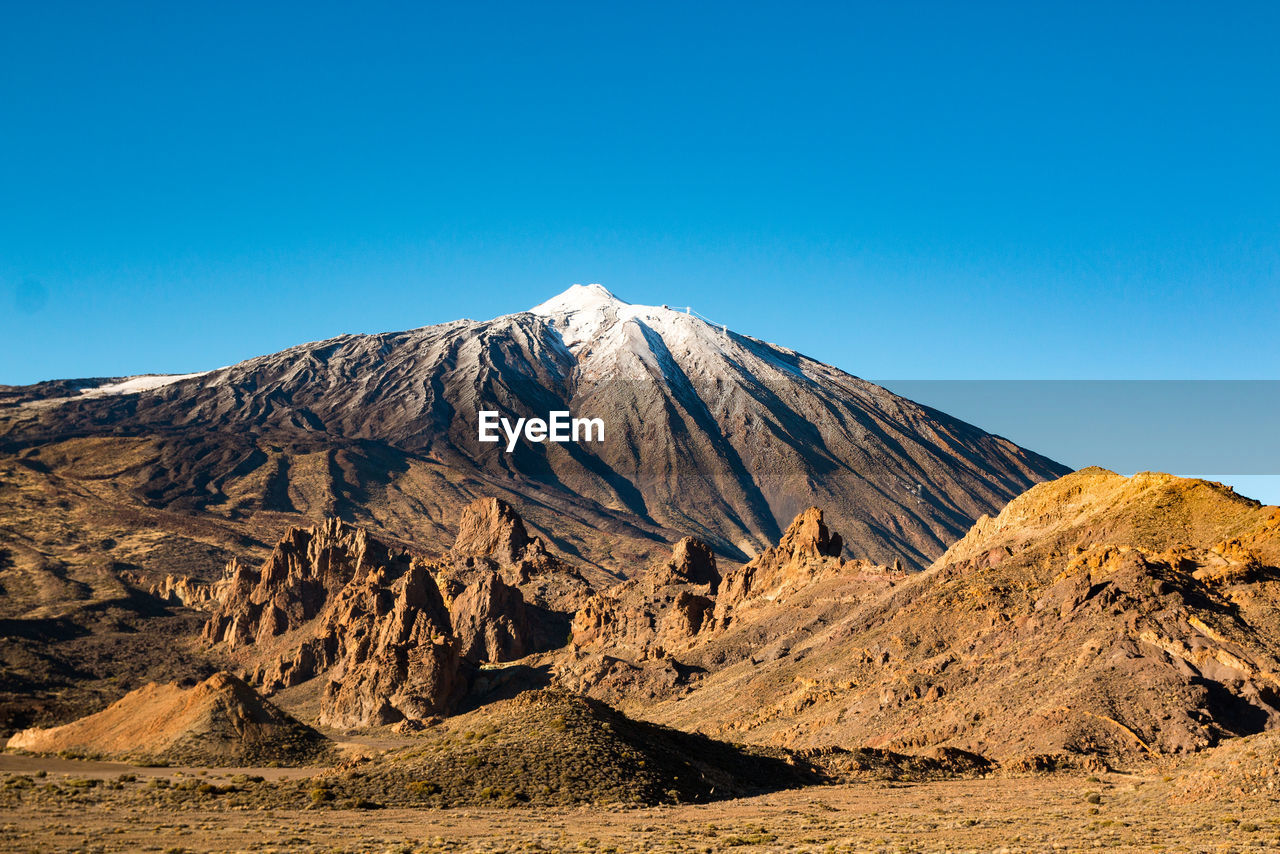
(613, 335)
(591, 314)
(577, 298)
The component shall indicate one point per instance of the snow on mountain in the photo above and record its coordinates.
(589, 314)
(598, 328)
(141, 383)
(709, 432)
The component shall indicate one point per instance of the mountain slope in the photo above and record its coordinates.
(708, 433)
(220, 721)
(1096, 614)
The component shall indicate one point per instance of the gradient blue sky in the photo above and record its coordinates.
(905, 190)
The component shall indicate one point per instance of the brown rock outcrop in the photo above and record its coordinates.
(334, 603)
(491, 528)
(393, 653)
(660, 637)
(491, 622)
(371, 621)
(493, 541)
(305, 569)
(691, 562)
(806, 551)
(175, 589)
(651, 616)
(1126, 617)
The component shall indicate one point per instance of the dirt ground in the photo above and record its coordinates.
(1062, 812)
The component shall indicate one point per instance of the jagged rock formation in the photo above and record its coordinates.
(806, 550)
(173, 589)
(220, 721)
(369, 619)
(492, 541)
(395, 636)
(388, 649)
(1097, 614)
(657, 636)
(492, 622)
(490, 528)
(692, 562)
(646, 617)
(306, 569)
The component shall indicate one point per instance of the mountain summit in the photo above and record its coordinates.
(578, 298)
(708, 433)
(589, 318)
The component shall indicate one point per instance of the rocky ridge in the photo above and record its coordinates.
(1096, 615)
(1097, 619)
(661, 635)
(663, 610)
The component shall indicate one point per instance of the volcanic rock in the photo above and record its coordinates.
(176, 590)
(394, 636)
(393, 654)
(491, 528)
(1097, 614)
(371, 620)
(306, 568)
(806, 551)
(692, 562)
(493, 542)
(709, 433)
(492, 622)
(656, 614)
(618, 681)
(657, 636)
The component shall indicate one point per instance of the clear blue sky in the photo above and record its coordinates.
(903, 189)
(906, 190)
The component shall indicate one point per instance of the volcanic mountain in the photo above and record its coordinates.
(709, 433)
